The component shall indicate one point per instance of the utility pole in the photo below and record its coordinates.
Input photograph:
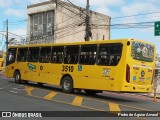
(88, 26)
(5, 59)
(6, 35)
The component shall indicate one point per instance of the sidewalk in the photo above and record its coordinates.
(152, 95)
(2, 75)
(157, 92)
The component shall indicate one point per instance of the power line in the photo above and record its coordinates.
(73, 32)
(67, 19)
(114, 26)
(62, 4)
(67, 29)
(15, 23)
(70, 25)
(126, 24)
(70, 17)
(133, 27)
(12, 34)
(135, 15)
(79, 8)
(3, 30)
(129, 17)
(140, 18)
(18, 21)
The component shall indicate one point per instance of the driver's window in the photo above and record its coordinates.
(11, 56)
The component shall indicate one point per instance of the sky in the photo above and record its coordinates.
(123, 12)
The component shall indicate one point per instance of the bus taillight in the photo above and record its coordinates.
(153, 77)
(128, 73)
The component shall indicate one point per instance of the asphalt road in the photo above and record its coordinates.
(12, 99)
(31, 97)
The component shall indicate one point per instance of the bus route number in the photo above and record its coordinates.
(67, 68)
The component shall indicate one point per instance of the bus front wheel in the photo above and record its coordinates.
(67, 85)
(17, 77)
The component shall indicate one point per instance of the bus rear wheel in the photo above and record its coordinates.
(17, 77)
(40, 84)
(92, 92)
(24, 81)
(67, 85)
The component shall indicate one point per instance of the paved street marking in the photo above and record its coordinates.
(13, 92)
(19, 88)
(50, 95)
(114, 107)
(29, 90)
(77, 101)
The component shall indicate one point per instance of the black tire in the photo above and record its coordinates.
(67, 85)
(17, 77)
(40, 84)
(24, 81)
(92, 92)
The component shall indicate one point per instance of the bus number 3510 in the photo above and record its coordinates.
(67, 68)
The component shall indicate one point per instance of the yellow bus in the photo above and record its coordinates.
(122, 65)
(1, 60)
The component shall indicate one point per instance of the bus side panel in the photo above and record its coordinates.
(102, 77)
(24, 70)
(50, 73)
(93, 77)
(1, 64)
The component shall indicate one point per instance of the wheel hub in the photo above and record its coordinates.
(66, 85)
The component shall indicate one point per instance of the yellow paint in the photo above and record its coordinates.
(91, 76)
(95, 109)
(114, 107)
(107, 102)
(50, 95)
(29, 90)
(77, 101)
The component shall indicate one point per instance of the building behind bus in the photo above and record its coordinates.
(49, 22)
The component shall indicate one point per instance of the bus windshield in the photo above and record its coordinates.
(1, 54)
(142, 51)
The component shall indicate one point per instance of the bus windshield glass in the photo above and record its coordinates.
(142, 51)
(1, 54)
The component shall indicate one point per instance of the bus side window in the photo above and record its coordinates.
(57, 54)
(115, 54)
(103, 55)
(116, 49)
(22, 55)
(33, 54)
(115, 60)
(71, 55)
(88, 54)
(45, 54)
(11, 56)
(109, 54)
